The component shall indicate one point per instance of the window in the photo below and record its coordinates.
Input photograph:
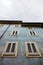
(32, 50)
(10, 49)
(15, 32)
(32, 33)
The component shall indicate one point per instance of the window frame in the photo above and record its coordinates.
(10, 54)
(32, 54)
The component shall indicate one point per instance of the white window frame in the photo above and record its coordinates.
(15, 32)
(32, 54)
(10, 54)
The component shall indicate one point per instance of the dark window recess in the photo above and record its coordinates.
(13, 48)
(29, 47)
(30, 32)
(13, 32)
(16, 32)
(8, 48)
(33, 32)
(34, 48)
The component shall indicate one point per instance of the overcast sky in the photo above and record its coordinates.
(25, 10)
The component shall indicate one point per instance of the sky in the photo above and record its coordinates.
(25, 10)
